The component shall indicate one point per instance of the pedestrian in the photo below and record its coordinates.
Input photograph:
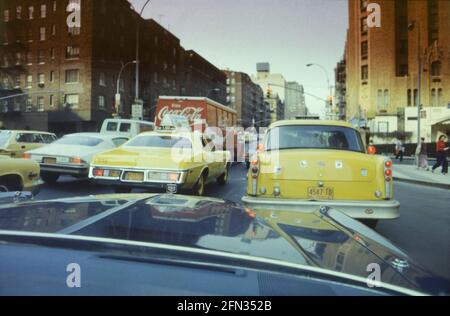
(441, 155)
(422, 155)
(399, 150)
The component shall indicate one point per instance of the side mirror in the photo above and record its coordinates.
(371, 150)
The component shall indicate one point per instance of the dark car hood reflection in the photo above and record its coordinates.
(206, 223)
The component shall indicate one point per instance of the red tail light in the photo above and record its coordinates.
(388, 164)
(26, 156)
(388, 172)
(98, 172)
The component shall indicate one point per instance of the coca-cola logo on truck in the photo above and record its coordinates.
(191, 113)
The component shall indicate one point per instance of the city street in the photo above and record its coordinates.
(422, 231)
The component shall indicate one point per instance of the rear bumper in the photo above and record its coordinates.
(143, 185)
(356, 209)
(62, 169)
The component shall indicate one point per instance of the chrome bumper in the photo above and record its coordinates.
(356, 209)
(35, 189)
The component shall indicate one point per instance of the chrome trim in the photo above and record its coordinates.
(361, 280)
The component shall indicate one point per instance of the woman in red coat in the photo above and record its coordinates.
(441, 155)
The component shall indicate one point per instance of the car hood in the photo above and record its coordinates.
(84, 152)
(326, 238)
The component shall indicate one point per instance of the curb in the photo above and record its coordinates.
(425, 183)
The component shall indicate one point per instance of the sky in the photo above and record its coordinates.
(237, 34)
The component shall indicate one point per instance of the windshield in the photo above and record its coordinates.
(4, 138)
(79, 141)
(314, 137)
(160, 142)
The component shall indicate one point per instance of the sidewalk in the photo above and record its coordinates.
(409, 173)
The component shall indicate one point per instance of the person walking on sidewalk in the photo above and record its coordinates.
(399, 150)
(441, 155)
(422, 155)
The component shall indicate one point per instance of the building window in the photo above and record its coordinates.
(440, 98)
(52, 101)
(364, 50)
(42, 33)
(72, 76)
(155, 77)
(43, 11)
(409, 97)
(379, 98)
(41, 57)
(30, 35)
(416, 97)
(433, 97)
(102, 80)
(52, 53)
(53, 30)
(174, 69)
(40, 104)
(101, 102)
(72, 100)
(17, 82)
(364, 27)
(18, 59)
(29, 58)
(436, 68)
(433, 21)
(29, 81)
(31, 12)
(386, 99)
(73, 51)
(41, 79)
(52, 76)
(19, 12)
(364, 72)
(29, 107)
(6, 16)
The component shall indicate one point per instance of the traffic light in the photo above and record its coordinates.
(330, 101)
(269, 93)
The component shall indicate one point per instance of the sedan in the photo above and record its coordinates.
(72, 154)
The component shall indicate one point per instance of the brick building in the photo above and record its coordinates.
(68, 76)
(382, 67)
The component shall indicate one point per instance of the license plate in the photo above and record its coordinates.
(134, 176)
(318, 193)
(50, 160)
(63, 159)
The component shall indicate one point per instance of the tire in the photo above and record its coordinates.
(50, 178)
(199, 189)
(123, 190)
(371, 223)
(3, 188)
(223, 179)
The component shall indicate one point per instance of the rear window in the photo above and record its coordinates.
(4, 138)
(79, 141)
(314, 137)
(125, 127)
(47, 139)
(160, 142)
(112, 126)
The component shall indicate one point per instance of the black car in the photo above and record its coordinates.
(153, 244)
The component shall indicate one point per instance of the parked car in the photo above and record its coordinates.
(311, 163)
(150, 161)
(207, 246)
(19, 175)
(127, 128)
(72, 154)
(15, 143)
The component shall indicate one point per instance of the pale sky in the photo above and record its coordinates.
(237, 34)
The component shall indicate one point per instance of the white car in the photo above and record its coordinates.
(72, 154)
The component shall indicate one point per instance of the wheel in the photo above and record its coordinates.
(123, 190)
(49, 178)
(3, 188)
(199, 189)
(223, 179)
(371, 223)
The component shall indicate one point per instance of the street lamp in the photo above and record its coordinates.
(416, 25)
(328, 80)
(118, 84)
(137, 48)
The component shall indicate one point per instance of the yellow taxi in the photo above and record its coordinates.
(15, 143)
(310, 163)
(163, 159)
(19, 175)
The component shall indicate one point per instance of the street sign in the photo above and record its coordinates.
(137, 111)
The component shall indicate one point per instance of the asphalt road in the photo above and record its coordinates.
(422, 231)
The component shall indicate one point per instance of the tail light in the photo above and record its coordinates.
(76, 160)
(388, 172)
(388, 178)
(27, 156)
(98, 172)
(254, 171)
(173, 177)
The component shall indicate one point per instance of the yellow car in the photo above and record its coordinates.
(15, 143)
(170, 160)
(309, 163)
(19, 175)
